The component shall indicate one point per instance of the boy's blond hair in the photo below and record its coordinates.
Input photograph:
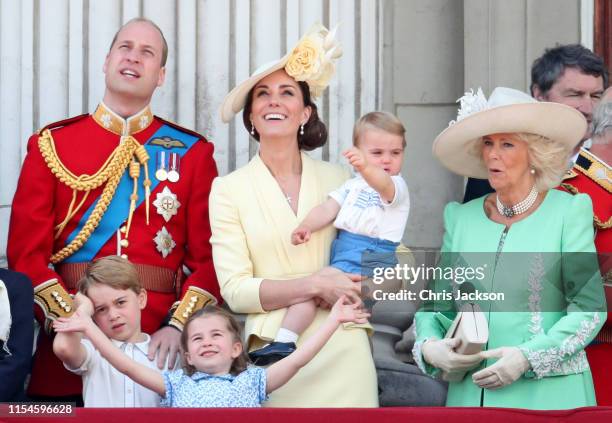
(113, 271)
(383, 121)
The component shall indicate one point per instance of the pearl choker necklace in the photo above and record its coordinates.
(518, 208)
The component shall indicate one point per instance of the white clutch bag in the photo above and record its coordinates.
(472, 329)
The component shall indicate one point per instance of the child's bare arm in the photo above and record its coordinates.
(316, 219)
(280, 372)
(139, 373)
(376, 177)
(68, 348)
(67, 345)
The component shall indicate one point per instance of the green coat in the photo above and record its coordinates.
(553, 303)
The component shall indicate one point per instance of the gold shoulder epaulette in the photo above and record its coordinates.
(595, 169)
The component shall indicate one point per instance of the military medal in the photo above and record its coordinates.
(161, 174)
(164, 242)
(167, 204)
(174, 164)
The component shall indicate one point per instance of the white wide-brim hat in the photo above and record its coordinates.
(506, 111)
(311, 61)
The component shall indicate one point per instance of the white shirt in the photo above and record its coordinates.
(104, 386)
(363, 212)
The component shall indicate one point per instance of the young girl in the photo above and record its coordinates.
(370, 211)
(216, 373)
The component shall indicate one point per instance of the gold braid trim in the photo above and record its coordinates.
(603, 225)
(570, 188)
(110, 172)
(81, 182)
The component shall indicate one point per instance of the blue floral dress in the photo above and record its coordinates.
(248, 389)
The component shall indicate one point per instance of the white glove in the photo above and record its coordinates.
(439, 353)
(510, 366)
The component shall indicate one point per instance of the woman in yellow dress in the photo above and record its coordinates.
(254, 210)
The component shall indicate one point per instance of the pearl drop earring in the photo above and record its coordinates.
(302, 129)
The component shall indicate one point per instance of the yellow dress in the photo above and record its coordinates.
(251, 225)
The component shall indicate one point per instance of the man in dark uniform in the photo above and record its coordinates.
(568, 74)
(120, 181)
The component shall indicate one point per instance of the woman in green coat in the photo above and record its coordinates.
(534, 247)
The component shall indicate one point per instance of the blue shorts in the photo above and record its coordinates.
(361, 254)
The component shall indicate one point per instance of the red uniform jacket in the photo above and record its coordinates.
(41, 202)
(593, 177)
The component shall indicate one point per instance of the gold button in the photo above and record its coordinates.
(67, 309)
(123, 229)
(63, 304)
(54, 294)
(124, 256)
(185, 315)
(124, 243)
(194, 298)
(59, 299)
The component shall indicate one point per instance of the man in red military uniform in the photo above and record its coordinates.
(118, 182)
(592, 175)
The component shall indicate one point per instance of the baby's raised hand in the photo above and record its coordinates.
(356, 159)
(300, 235)
(344, 311)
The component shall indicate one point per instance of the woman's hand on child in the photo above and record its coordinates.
(332, 283)
(356, 159)
(300, 235)
(344, 311)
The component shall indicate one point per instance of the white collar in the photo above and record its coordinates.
(143, 346)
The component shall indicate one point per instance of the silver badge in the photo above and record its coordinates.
(161, 173)
(167, 204)
(164, 242)
(174, 163)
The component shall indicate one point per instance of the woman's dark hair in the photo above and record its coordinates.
(315, 131)
(548, 68)
(241, 362)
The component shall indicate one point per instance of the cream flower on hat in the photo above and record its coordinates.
(311, 60)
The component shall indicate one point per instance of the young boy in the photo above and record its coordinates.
(112, 285)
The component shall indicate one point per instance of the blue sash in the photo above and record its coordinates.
(119, 207)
